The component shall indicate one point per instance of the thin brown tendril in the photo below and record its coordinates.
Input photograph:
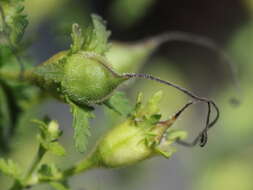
(202, 137)
(203, 42)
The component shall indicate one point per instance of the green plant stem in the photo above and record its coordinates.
(15, 76)
(88, 163)
(25, 182)
(41, 152)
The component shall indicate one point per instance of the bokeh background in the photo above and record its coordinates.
(226, 161)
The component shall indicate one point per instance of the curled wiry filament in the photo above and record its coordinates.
(202, 137)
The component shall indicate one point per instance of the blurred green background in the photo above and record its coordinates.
(226, 161)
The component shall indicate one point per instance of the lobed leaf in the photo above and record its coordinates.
(96, 36)
(10, 168)
(81, 126)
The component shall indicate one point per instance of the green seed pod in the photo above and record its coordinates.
(83, 77)
(87, 79)
(129, 144)
(139, 137)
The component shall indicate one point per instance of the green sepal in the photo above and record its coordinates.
(48, 172)
(147, 115)
(93, 39)
(166, 154)
(77, 38)
(119, 103)
(152, 106)
(174, 134)
(80, 124)
(96, 36)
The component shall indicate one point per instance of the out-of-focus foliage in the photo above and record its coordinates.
(10, 168)
(231, 172)
(126, 13)
(13, 21)
(129, 57)
(40, 10)
(241, 49)
(249, 5)
(230, 167)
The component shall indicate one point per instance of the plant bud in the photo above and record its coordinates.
(54, 130)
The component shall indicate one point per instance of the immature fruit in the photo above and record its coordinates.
(132, 142)
(83, 77)
(139, 137)
(87, 80)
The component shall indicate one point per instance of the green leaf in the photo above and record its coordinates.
(152, 107)
(81, 126)
(10, 168)
(96, 36)
(153, 119)
(119, 103)
(56, 149)
(48, 172)
(173, 135)
(77, 38)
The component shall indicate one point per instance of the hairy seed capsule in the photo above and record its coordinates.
(83, 77)
(87, 80)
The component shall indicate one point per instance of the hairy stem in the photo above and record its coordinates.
(27, 76)
(84, 165)
(81, 167)
(41, 152)
(19, 185)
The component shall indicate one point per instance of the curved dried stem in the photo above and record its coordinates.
(202, 137)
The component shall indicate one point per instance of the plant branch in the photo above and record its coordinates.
(25, 182)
